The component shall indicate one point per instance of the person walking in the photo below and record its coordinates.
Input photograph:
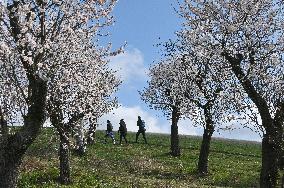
(109, 132)
(122, 131)
(141, 125)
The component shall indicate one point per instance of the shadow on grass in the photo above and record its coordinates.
(168, 175)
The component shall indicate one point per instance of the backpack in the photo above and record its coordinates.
(109, 127)
(142, 125)
(122, 127)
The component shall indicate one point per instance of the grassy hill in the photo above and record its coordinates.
(232, 163)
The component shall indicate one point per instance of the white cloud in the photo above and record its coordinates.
(239, 134)
(185, 127)
(130, 65)
(130, 116)
(158, 125)
(153, 123)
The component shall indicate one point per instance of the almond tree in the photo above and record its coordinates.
(203, 94)
(161, 94)
(208, 93)
(215, 98)
(71, 99)
(32, 33)
(248, 37)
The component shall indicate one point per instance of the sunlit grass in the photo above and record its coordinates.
(232, 164)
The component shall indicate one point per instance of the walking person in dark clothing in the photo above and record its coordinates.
(141, 125)
(122, 131)
(109, 132)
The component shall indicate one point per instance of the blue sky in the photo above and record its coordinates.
(143, 24)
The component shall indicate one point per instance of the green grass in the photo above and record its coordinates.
(231, 163)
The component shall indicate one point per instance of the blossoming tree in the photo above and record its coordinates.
(201, 89)
(161, 94)
(248, 37)
(71, 99)
(32, 34)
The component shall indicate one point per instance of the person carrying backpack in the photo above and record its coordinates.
(109, 132)
(122, 131)
(141, 125)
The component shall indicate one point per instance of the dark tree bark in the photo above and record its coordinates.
(64, 156)
(3, 124)
(278, 121)
(269, 169)
(56, 117)
(63, 153)
(175, 148)
(64, 131)
(204, 153)
(80, 150)
(14, 147)
(205, 145)
(282, 169)
(272, 140)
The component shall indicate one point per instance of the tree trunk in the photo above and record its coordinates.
(64, 161)
(80, 138)
(281, 162)
(4, 126)
(282, 171)
(10, 162)
(14, 147)
(270, 157)
(91, 133)
(269, 169)
(204, 152)
(281, 151)
(56, 117)
(64, 131)
(205, 145)
(175, 149)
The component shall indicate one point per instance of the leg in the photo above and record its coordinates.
(112, 137)
(137, 134)
(144, 136)
(125, 138)
(106, 137)
(120, 138)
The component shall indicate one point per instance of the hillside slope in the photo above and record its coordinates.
(232, 163)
